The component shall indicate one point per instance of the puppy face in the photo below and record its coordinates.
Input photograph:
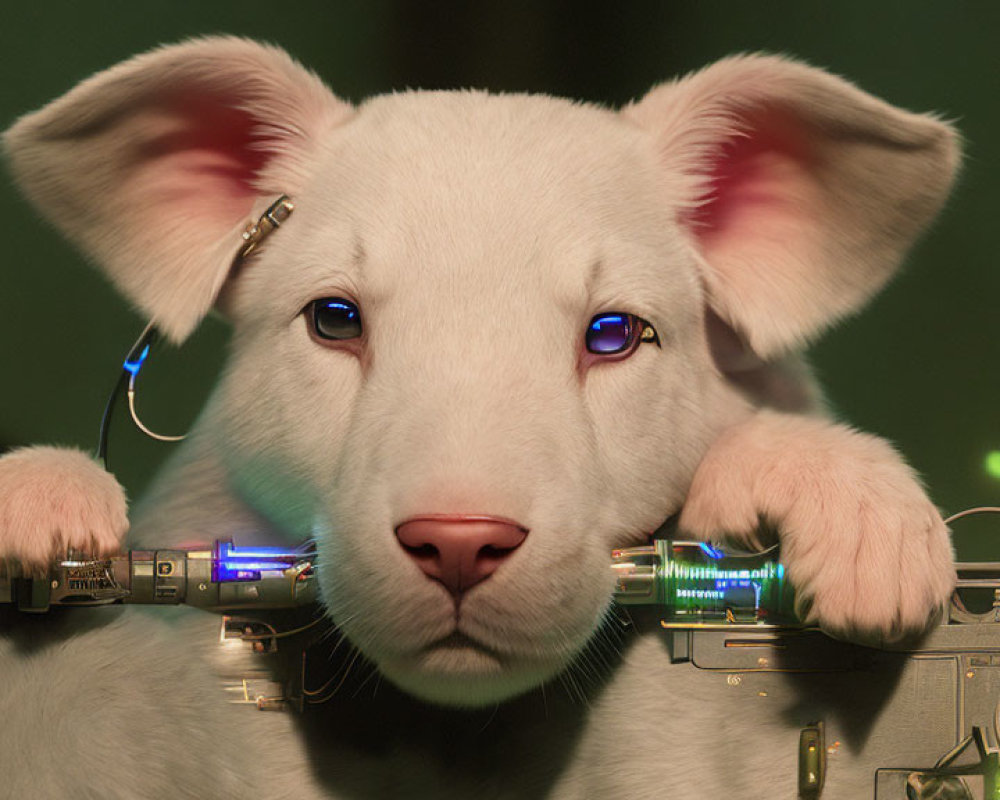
(478, 241)
(475, 358)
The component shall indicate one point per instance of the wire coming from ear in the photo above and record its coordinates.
(133, 362)
(132, 366)
(253, 235)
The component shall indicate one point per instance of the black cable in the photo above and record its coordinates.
(130, 367)
(102, 442)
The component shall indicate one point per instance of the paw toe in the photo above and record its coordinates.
(52, 499)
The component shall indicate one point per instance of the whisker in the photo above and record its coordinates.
(492, 717)
(314, 693)
(372, 672)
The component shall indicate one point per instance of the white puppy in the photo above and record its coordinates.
(412, 383)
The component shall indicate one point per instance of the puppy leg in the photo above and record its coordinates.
(865, 549)
(53, 498)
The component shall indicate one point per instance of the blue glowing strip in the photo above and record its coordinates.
(238, 570)
(226, 550)
(246, 564)
(133, 367)
(711, 551)
(262, 566)
(224, 573)
(606, 319)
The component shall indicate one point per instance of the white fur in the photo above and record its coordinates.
(54, 498)
(759, 470)
(111, 163)
(479, 234)
(841, 185)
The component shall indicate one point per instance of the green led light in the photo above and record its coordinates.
(992, 464)
(693, 584)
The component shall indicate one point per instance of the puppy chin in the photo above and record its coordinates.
(458, 675)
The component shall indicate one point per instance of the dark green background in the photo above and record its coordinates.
(919, 366)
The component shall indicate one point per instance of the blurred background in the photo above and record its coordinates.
(920, 366)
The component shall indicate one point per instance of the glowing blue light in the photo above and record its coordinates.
(134, 366)
(339, 305)
(247, 564)
(606, 320)
(227, 550)
(223, 574)
(711, 551)
(257, 566)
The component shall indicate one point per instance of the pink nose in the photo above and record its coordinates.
(457, 549)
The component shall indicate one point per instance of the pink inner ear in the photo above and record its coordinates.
(761, 186)
(201, 158)
(761, 229)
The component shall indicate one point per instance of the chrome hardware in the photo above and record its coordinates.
(271, 219)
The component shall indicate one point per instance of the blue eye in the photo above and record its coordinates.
(615, 333)
(335, 318)
(608, 334)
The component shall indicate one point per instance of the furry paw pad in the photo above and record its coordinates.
(52, 499)
(867, 552)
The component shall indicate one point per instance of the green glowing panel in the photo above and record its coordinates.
(992, 464)
(694, 585)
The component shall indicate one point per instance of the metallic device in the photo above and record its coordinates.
(930, 709)
(922, 718)
(694, 584)
(222, 578)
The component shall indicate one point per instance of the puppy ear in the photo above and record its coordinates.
(155, 166)
(801, 192)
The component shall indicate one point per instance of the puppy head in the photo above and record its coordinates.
(476, 358)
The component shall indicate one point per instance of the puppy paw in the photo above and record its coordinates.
(866, 551)
(52, 499)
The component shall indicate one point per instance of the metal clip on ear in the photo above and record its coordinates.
(271, 219)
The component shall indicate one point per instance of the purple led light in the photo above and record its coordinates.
(227, 574)
(232, 564)
(227, 550)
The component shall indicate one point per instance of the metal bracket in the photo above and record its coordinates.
(270, 220)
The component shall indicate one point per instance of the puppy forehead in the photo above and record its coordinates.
(460, 181)
(462, 129)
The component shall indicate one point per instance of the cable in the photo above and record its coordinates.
(970, 511)
(109, 407)
(250, 637)
(133, 362)
(253, 235)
